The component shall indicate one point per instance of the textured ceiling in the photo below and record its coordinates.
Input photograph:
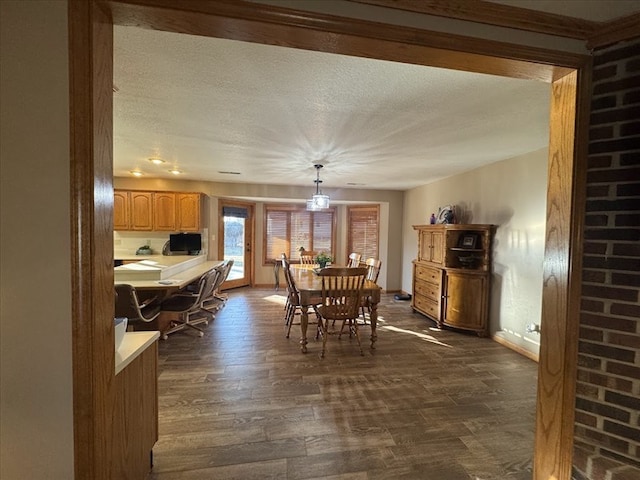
(209, 105)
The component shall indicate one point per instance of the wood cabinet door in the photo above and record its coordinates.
(466, 301)
(188, 212)
(431, 246)
(141, 215)
(424, 245)
(164, 211)
(120, 210)
(437, 247)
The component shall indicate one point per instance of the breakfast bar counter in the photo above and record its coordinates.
(133, 344)
(153, 267)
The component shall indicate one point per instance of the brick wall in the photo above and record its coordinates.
(607, 427)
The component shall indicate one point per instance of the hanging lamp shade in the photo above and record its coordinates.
(318, 201)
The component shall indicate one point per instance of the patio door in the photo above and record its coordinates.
(235, 241)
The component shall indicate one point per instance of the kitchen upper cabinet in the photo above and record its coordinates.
(121, 210)
(188, 211)
(164, 211)
(141, 211)
(157, 211)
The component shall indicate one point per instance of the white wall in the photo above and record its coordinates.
(36, 416)
(512, 195)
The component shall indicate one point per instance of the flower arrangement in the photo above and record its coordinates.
(323, 258)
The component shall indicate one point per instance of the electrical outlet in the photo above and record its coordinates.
(532, 328)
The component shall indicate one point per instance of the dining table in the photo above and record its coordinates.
(309, 285)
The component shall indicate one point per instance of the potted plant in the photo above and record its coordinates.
(144, 250)
(323, 258)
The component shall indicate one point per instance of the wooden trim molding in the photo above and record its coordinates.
(250, 22)
(616, 31)
(561, 278)
(516, 348)
(491, 13)
(91, 116)
(91, 76)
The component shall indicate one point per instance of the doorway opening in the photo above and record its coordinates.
(235, 241)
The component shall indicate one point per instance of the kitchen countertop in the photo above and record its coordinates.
(162, 259)
(154, 267)
(133, 344)
(181, 280)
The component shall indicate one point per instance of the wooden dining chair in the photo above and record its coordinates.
(373, 266)
(292, 305)
(341, 297)
(354, 260)
(308, 257)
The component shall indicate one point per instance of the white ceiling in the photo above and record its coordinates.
(269, 113)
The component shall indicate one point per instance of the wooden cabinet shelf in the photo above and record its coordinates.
(451, 276)
(157, 211)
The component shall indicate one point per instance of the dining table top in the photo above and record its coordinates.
(308, 281)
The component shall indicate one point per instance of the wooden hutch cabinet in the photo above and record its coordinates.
(452, 275)
(156, 211)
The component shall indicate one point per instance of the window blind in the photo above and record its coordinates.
(363, 225)
(289, 227)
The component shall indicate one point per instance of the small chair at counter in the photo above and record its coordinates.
(188, 305)
(128, 305)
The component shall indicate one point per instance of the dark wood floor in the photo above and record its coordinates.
(243, 402)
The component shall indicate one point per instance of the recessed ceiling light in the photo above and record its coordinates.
(136, 173)
(224, 172)
(355, 184)
(175, 171)
(156, 160)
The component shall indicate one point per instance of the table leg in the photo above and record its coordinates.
(304, 322)
(373, 318)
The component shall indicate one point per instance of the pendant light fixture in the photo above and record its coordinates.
(318, 201)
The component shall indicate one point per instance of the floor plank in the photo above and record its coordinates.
(242, 402)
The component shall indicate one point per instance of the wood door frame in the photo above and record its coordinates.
(90, 49)
(251, 234)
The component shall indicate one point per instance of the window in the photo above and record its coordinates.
(289, 227)
(363, 225)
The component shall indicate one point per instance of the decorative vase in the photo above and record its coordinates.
(322, 264)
